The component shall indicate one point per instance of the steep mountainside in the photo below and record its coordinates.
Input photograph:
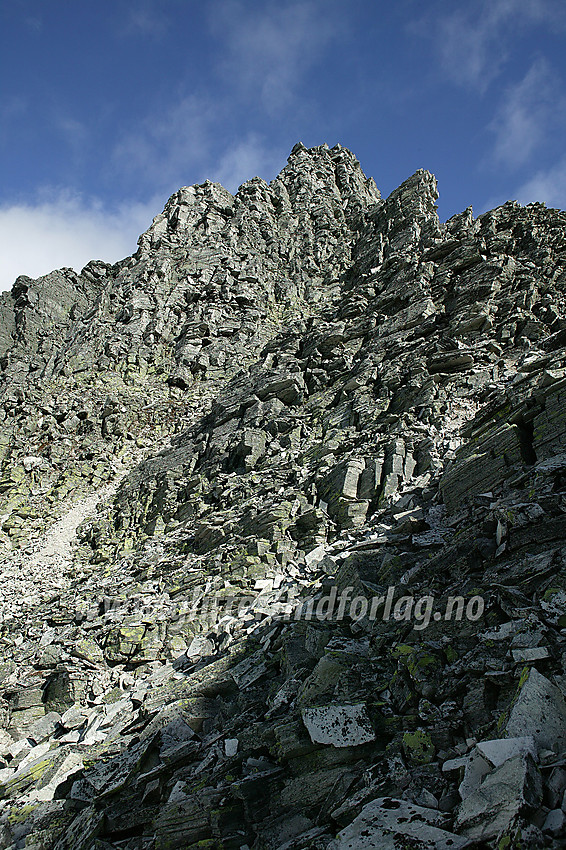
(283, 527)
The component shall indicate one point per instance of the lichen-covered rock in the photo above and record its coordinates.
(493, 810)
(390, 823)
(539, 710)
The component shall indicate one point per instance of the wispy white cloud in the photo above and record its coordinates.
(63, 229)
(170, 146)
(465, 47)
(146, 18)
(192, 140)
(73, 130)
(74, 134)
(546, 185)
(251, 157)
(271, 45)
(214, 130)
(531, 109)
(472, 43)
(34, 22)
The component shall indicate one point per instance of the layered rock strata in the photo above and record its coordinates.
(283, 520)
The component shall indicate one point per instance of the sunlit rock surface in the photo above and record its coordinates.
(282, 523)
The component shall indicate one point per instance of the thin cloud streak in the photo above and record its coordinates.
(531, 109)
(249, 158)
(547, 185)
(147, 19)
(270, 49)
(189, 143)
(264, 53)
(473, 44)
(166, 146)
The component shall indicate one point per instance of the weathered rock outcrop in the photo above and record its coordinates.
(320, 603)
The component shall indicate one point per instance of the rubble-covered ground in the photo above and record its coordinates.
(283, 527)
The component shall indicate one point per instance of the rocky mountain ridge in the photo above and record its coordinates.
(297, 391)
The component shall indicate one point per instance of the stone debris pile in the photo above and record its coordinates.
(283, 527)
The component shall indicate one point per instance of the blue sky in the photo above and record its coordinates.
(108, 107)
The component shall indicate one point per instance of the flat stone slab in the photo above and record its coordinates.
(339, 725)
(555, 823)
(385, 822)
(249, 671)
(500, 750)
(532, 653)
(539, 711)
(487, 755)
(504, 794)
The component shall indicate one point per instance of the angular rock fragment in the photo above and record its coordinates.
(539, 711)
(339, 725)
(504, 795)
(388, 822)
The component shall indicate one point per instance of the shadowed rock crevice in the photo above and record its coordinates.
(526, 437)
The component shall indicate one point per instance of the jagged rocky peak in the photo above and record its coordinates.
(268, 247)
(320, 182)
(325, 170)
(296, 394)
(413, 204)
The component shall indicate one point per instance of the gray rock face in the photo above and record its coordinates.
(539, 710)
(494, 809)
(283, 521)
(386, 822)
(339, 725)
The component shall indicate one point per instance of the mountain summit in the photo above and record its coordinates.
(283, 521)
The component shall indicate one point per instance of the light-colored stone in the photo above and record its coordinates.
(539, 711)
(387, 824)
(231, 747)
(339, 725)
(494, 808)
